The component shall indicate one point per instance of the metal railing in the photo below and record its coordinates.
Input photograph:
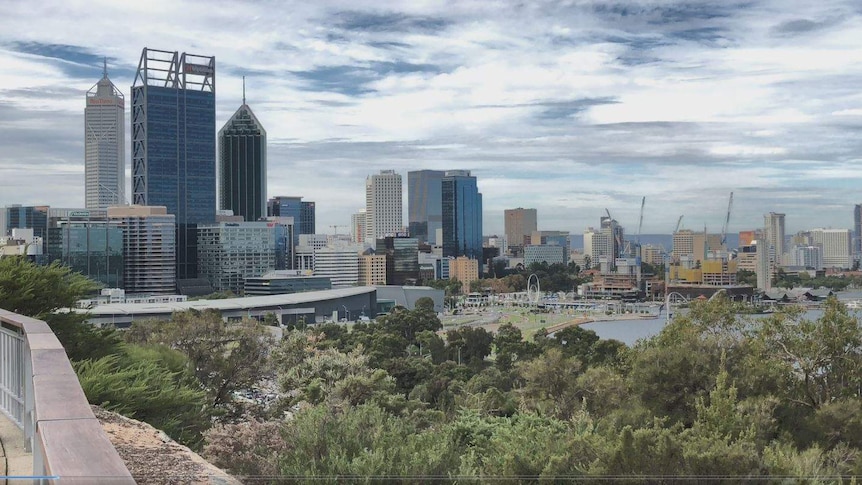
(40, 393)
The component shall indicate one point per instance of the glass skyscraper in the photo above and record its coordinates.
(301, 211)
(104, 145)
(424, 204)
(242, 164)
(88, 243)
(173, 143)
(462, 215)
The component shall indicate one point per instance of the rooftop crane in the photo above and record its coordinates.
(640, 222)
(678, 222)
(335, 228)
(726, 220)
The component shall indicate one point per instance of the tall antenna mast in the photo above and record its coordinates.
(243, 90)
(105, 67)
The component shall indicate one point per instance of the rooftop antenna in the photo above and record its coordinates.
(243, 90)
(105, 67)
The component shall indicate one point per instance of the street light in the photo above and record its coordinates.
(346, 311)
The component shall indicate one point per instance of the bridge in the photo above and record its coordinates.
(58, 438)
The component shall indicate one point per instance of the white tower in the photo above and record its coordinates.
(383, 205)
(104, 145)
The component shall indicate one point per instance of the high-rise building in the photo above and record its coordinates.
(773, 236)
(462, 215)
(87, 242)
(545, 253)
(357, 227)
(463, 269)
(149, 249)
(402, 259)
(857, 229)
(242, 164)
(424, 204)
(340, 264)
(372, 269)
(28, 217)
(520, 224)
(301, 211)
(836, 246)
(383, 205)
(104, 145)
(174, 144)
(230, 252)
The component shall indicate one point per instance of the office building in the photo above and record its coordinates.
(424, 204)
(773, 236)
(462, 215)
(463, 269)
(809, 257)
(545, 253)
(230, 252)
(836, 246)
(340, 264)
(553, 238)
(174, 145)
(402, 259)
(27, 217)
(149, 249)
(357, 227)
(302, 212)
(372, 269)
(284, 282)
(764, 268)
(520, 224)
(88, 243)
(104, 145)
(315, 241)
(857, 230)
(242, 164)
(652, 255)
(383, 205)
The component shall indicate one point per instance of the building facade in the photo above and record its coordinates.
(230, 252)
(520, 224)
(402, 259)
(88, 243)
(857, 230)
(836, 246)
(302, 212)
(174, 144)
(545, 253)
(104, 145)
(383, 205)
(465, 270)
(357, 227)
(340, 264)
(462, 215)
(424, 204)
(284, 282)
(773, 235)
(242, 165)
(149, 249)
(372, 269)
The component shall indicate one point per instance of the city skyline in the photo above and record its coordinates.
(568, 110)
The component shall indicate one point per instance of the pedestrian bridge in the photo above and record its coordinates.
(59, 438)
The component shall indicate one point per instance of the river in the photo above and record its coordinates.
(630, 331)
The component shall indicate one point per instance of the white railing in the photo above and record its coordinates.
(40, 393)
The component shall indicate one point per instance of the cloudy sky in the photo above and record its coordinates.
(570, 107)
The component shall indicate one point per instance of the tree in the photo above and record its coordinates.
(510, 347)
(224, 357)
(468, 345)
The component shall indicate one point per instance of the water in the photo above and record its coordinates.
(630, 331)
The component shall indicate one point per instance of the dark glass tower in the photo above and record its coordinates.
(424, 207)
(462, 215)
(301, 211)
(87, 242)
(402, 259)
(173, 143)
(242, 164)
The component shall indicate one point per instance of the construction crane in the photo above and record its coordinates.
(335, 228)
(726, 220)
(615, 234)
(678, 222)
(640, 223)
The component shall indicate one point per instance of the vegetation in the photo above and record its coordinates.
(712, 395)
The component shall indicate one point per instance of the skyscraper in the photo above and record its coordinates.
(173, 143)
(462, 215)
(520, 224)
(424, 204)
(242, 164)
(301, 211)
(857, 230)
(773, 235)
(87, 242)
(383, 205)
(104, 145)
(149, 249)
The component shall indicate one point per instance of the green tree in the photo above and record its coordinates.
(224, 357)
(468, 345)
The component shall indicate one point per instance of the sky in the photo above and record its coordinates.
(570, 107)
